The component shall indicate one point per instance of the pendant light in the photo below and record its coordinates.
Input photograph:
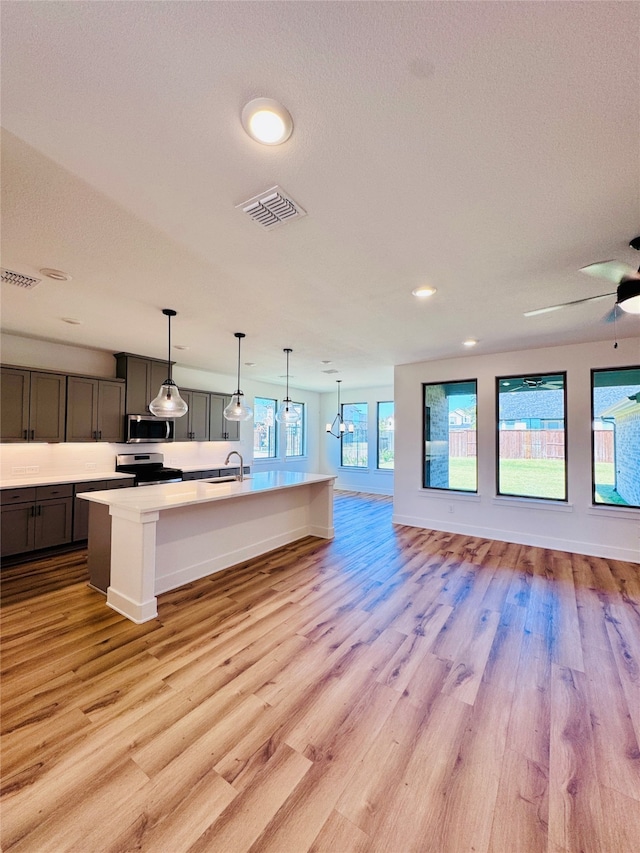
(287, 413)
(338, 427)
(168, 403)
(237, 410)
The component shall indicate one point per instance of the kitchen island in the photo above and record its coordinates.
(147, 540)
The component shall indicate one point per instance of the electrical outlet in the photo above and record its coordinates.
(16, 470)
(90, 466)
(33, 469)
(173, 460)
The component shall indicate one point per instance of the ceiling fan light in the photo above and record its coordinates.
(628, 295)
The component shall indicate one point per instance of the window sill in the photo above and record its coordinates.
(384, 471)
(354, 468)
(295, 459)
(533, 503)
(450, 495)
(614, 511)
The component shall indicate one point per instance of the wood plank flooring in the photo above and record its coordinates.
(394, 690)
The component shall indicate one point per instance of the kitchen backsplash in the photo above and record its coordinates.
(70, 459)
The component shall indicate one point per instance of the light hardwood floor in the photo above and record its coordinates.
(393, 690)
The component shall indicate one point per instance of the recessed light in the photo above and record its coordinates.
(326, 361)
(267, 121)
(470, 342)
(72, 321)
(57, 275)
(250, 364)
(180, 346)
(423, 292)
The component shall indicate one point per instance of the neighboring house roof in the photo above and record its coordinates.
(605, 398)
(547, 404)
(626, 406)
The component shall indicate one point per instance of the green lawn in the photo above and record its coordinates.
(539, 478)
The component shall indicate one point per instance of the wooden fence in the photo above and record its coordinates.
(529, 444)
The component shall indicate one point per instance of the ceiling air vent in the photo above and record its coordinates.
(26, 282)
(271, 208)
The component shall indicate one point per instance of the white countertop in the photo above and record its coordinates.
(172, 495)
(59, 479)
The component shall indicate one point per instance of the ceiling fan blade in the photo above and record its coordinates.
(615, 314)
(567, 304)
(612, 271)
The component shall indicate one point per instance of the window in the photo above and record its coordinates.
(531, 447)
(354, 446)
(449, 430)
(296, 432)
(615, 419)
(264, 428)
(386, 433)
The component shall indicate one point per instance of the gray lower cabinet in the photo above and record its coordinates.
(32, 405)
(194, 426)
(81, 508)
(201, 475)
(35, 517)
(95, 409)
(220, 429)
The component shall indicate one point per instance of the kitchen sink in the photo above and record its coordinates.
(219, 480)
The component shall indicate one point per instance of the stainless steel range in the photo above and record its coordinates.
(148, 468)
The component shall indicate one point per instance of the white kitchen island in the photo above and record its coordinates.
(147, 540)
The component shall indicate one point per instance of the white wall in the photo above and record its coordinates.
(371, 480)
(79, 458)
(576, 526)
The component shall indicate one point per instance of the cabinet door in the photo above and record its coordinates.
(47, 401)
(14, 412)
(53, 522)
(137, 376)
(216, 419)
(183, 425)
(230, 429)
(17, 529)
(110, 421)
(198, 416)
(81, 508)
(82, 408)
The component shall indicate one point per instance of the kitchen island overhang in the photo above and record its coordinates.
(146, 541)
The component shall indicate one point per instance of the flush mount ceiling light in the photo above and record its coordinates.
(423, 292)
(287, 413)
(56, 275)
(338, 427)
(238, 410)
(168, 403)
(267, 121)
(470, 342)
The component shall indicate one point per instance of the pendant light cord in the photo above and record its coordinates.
(238, 386)
(169, 352)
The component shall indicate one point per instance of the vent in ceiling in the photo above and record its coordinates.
(332, 370)
(272, 208)
(26, 282)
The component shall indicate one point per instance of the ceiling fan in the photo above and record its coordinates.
(532, 383)
(625, 277)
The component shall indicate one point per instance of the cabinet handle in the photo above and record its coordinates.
(167, 429)
(26, 435)
(99, 435)
(33, 434)
(33, 511)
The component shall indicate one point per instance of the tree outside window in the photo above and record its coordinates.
(264, 428)
(386, 435)
(354, 446)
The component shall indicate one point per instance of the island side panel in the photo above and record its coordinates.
(196, 541)
(321, 510)
(133, 564)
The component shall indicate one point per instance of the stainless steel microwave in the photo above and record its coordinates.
(145, 429)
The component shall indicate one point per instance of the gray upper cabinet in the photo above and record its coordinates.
(220, 429)
(194, 426)
(95, 409)
(33, 405)
(143, 377)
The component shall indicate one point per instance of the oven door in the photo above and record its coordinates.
(144, 429)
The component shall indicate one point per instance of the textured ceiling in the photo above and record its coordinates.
(488, 149)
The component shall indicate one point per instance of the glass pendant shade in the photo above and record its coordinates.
(168, 403)
(238, 410)
(287, 413)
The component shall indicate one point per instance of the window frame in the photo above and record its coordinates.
(342, 463)
(303, 436)
(274, 428)
(430, 488)
(548, 373)
(378, 404)
(594, 503)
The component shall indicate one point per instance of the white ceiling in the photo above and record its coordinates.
(488, 149)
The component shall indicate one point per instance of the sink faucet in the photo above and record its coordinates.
(235, 453)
